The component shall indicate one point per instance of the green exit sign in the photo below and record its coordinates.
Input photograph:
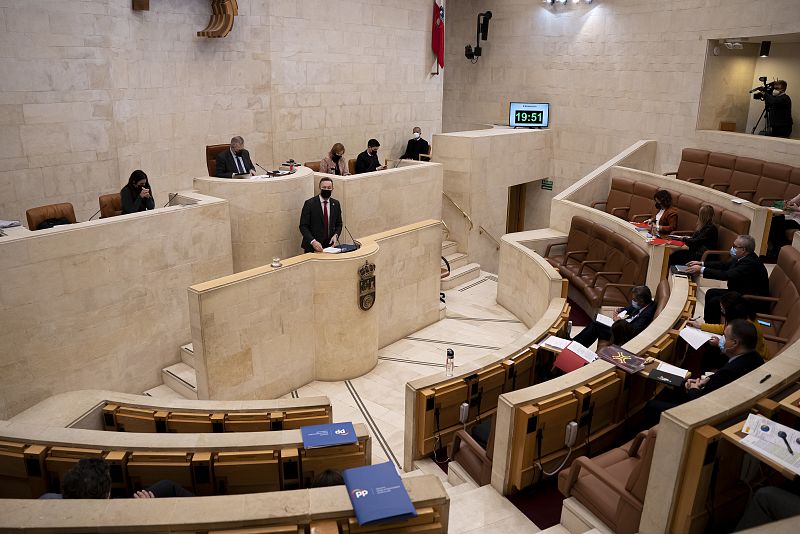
(547, 184)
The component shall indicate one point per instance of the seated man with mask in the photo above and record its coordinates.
(235, 161)
(639, 315)
(368, 160)
(416, 145)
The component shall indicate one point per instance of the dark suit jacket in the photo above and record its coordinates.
(745, 275)
(731, 371)
(311, 225)
(226, 167)
(703, 239)
(414, 148)
(644, 317)
(367, 163)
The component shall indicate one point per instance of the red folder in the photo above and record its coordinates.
(670, 242)
(641, 225)
(568, 361)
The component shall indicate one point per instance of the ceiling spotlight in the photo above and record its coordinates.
(765, 45)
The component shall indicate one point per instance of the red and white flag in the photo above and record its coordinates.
(437, 33)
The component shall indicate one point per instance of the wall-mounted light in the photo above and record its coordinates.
(564, 2)
(733, 45)
(765, 45)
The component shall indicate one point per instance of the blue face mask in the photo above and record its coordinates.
(733, 252)
(636, 304)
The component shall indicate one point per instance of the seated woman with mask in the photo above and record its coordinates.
(137, 196)
(665, 219)
(334, 162)
(639, 315)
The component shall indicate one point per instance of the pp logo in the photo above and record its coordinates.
(340, 431)
(358, 493)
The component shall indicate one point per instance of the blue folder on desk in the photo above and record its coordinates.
(330, 435)
(377, 493)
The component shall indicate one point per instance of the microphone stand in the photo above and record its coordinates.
(269, 173)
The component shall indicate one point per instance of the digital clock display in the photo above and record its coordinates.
(528, 115)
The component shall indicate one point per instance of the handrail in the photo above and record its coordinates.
(446, 228)
(482, 230)
(464, 213)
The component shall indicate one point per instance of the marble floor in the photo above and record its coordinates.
(474, 325)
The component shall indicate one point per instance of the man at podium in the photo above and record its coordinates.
(321, 219)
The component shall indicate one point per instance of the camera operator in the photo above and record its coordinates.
(779, 106)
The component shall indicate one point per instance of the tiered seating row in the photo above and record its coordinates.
(631, 199)
(29, 468)
(759, 181)
(123, 418)
(437, 406)
(601, 264)
(307, 511)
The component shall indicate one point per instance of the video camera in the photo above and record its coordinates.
(765, 88)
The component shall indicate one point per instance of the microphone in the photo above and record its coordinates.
(262, 168)
(171, 198)
(357, 244)
(95, 215)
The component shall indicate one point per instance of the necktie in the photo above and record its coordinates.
(325, 220)
(239, 165)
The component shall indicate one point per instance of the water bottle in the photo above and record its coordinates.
(450, 364)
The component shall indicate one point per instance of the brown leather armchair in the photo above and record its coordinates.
(211, 156)
(110, 205)
(351, 166)
(612, 485)
(52, 211)
(313, 165)
(475, 460)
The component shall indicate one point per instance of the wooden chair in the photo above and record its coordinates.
(212, 151)
(22, 471)
(351, 166)
(247, 472)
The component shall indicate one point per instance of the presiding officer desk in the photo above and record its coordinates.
(265, 212)
(89, 293)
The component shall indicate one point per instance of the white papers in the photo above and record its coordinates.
(604, 319)
(556, 342)
(623, 314)
(8, 224)
(587, 354)
(332, 250)
(673, 370)
(737, 200)
(696, 337)
(763, 437)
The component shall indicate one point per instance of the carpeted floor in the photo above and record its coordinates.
(577, 315)
(541, 503)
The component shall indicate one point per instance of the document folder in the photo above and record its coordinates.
(330, 435)
(377, 493)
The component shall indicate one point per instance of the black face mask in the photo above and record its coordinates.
(336, 158)
(239, 152)
(658, 205)
(325, 193)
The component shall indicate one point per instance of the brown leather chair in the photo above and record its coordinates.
(52, 211)
(692, 166)
(110, 205)
(475, 460)
(211, 156)
(313, 165)
(612, 485)
(744, 180)
(351, 166)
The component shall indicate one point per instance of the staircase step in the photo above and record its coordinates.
(462, 275)
(456, 260)
(182, 379)
(449, 247)
(163, 391)
(187, 355)
(555, 529)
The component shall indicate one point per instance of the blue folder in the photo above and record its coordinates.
(330, 435)
(378, 493)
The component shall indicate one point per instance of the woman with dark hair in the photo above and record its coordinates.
(666, 218)
(704, 238)
(136, 196)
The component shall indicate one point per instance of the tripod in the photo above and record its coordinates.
(767, 123)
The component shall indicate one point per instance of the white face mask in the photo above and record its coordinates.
(777, 92)
(416, 135)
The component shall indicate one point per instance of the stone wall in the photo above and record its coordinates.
(103, 303)
(92, 90)
(614, 72)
